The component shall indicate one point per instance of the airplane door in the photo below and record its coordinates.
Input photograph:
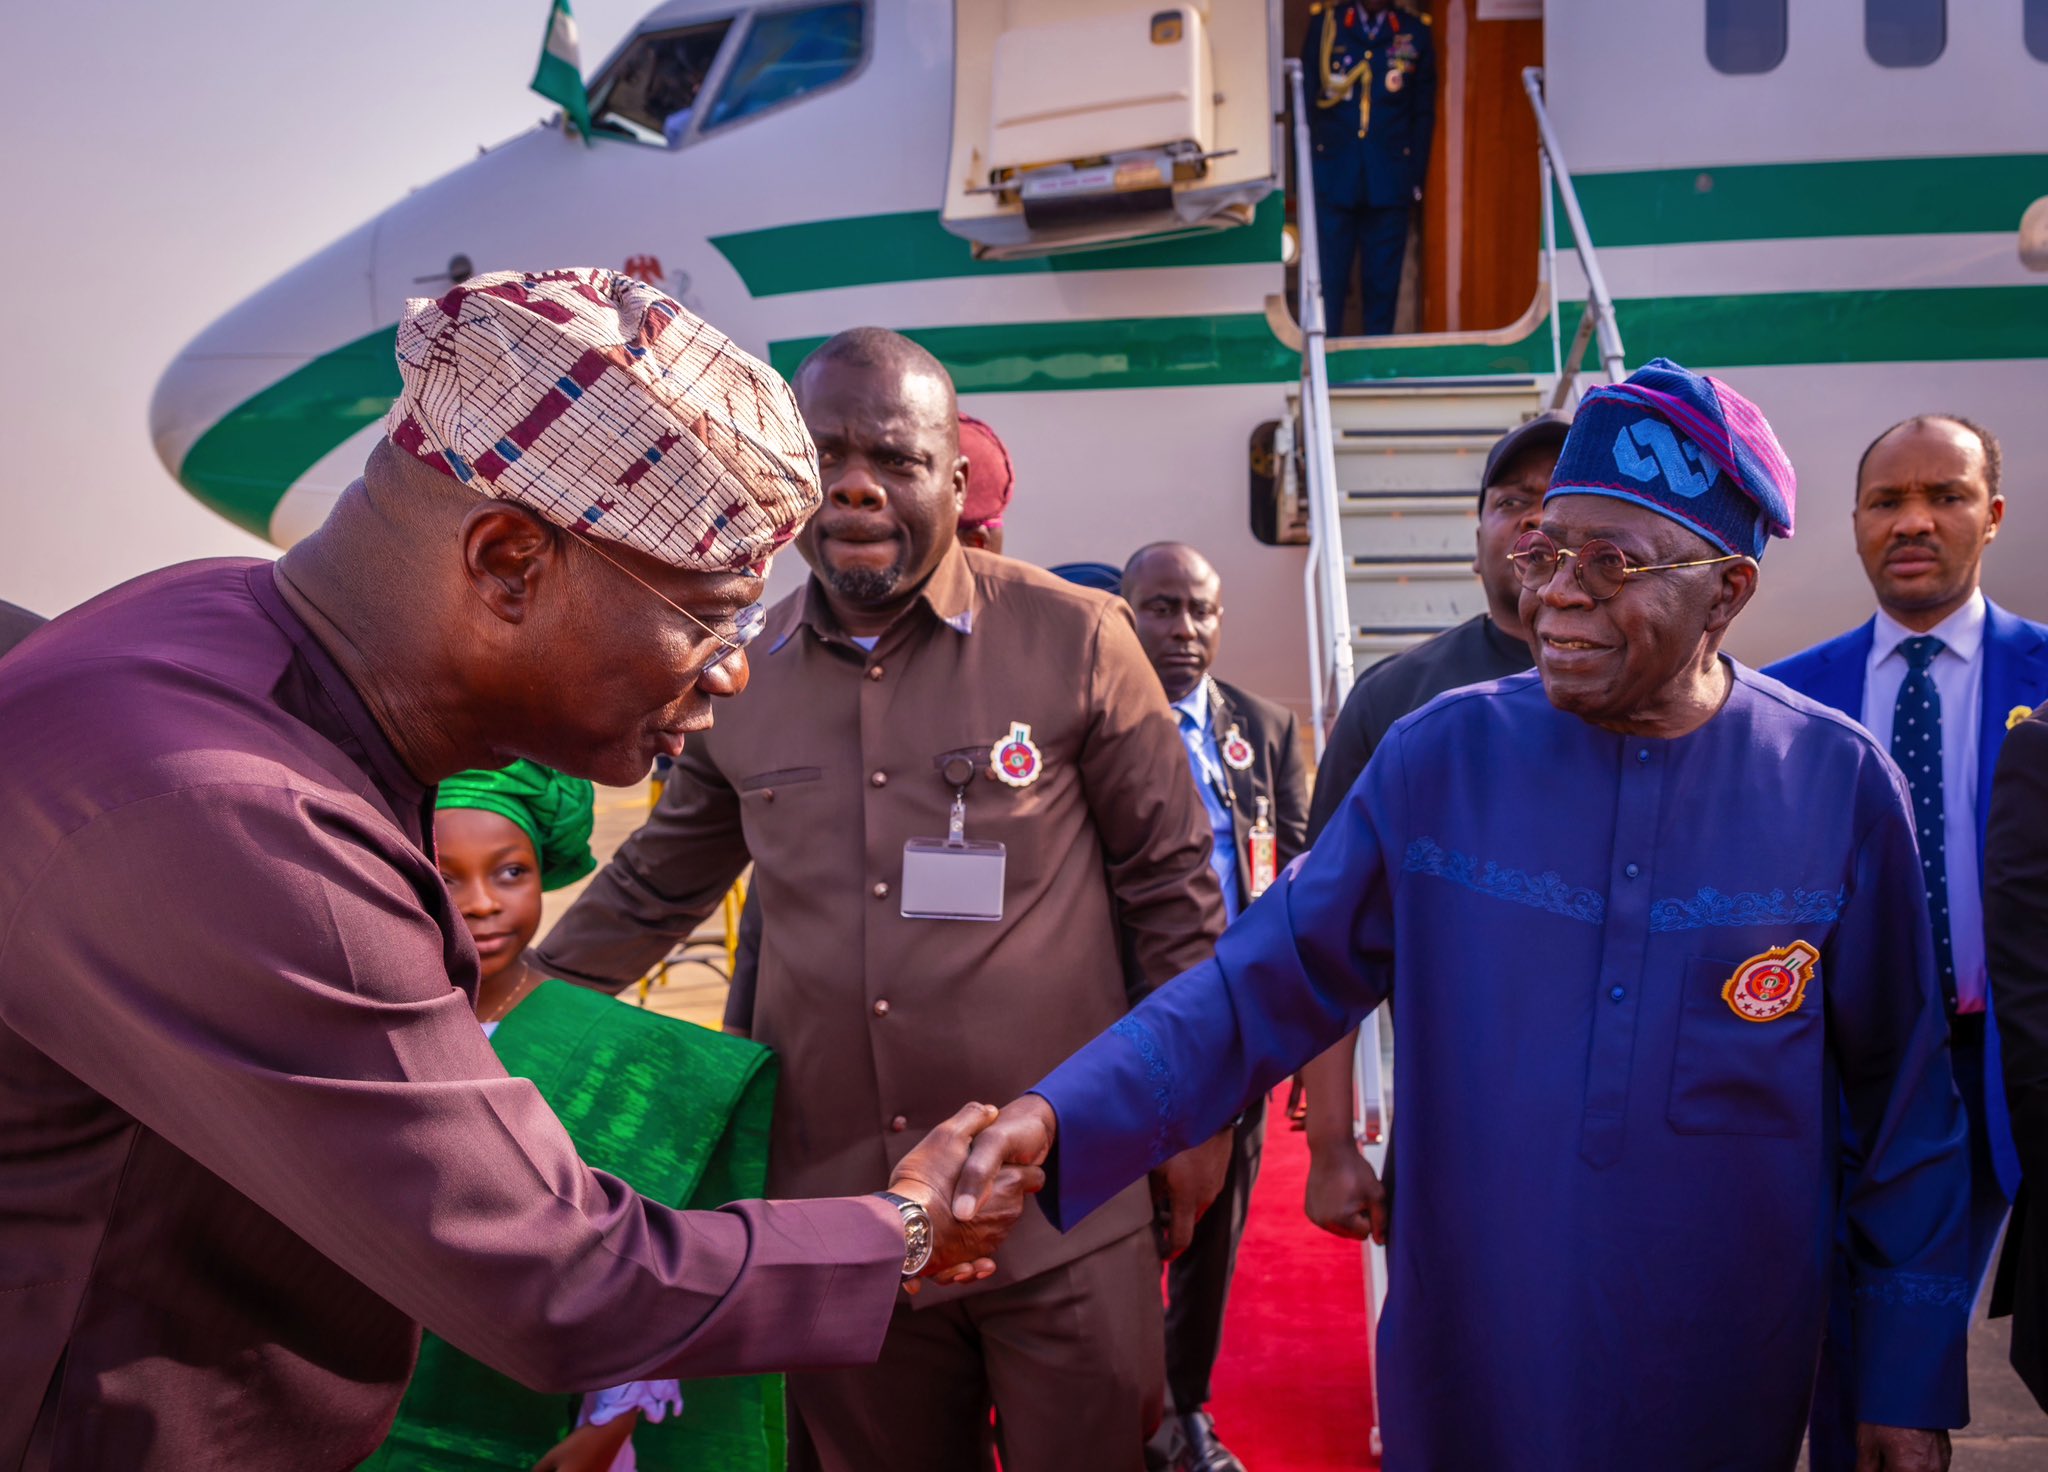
(1483, 206)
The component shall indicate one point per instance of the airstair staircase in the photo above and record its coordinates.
(1390, 470)
(1408, 456)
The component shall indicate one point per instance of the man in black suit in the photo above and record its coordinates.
(2016, 956)
(1245, 753)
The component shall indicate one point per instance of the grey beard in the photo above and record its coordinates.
(865, 584)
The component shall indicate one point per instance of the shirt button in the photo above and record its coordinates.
(1618, 993)
(879, 779)
(881, 889)
(1631, 871)
(767, 794)
(874, 672)
(1643, 754)
(882, 1007)
(899, 1124)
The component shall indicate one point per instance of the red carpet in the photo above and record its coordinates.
(1293, 1391)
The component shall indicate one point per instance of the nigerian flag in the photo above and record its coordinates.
(559, 77)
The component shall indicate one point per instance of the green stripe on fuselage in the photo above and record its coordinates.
(243, 465)
(246, 462)
(870, 250)
(1702, 332)
(1804, 201)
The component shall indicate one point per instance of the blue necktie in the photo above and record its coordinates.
(1916, 747)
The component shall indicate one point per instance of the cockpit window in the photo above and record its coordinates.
(787, 54)
(1745, 37)
(651, 92)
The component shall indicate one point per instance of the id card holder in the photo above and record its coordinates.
(953, 878)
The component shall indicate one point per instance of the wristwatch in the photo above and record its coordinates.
(917, 1232)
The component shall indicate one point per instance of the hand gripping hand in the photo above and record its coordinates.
(1018, 1138)
(963, 1248)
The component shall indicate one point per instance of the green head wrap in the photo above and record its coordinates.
(555, 811)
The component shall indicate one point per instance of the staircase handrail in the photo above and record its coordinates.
(1599, 302)
(1324, 589)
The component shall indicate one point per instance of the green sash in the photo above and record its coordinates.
(681, 1114)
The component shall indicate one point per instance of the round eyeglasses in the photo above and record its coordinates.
(1602, 568)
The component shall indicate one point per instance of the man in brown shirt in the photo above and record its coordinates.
(906, 671)
(250, 1133)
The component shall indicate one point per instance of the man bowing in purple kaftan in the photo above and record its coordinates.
(1646, 916)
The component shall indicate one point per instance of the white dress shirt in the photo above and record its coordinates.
(1958, 672)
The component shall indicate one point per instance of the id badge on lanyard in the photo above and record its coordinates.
(1262, 845)
(955, 877)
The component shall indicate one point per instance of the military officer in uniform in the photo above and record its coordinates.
(1370, 73)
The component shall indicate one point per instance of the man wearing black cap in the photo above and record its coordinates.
(1341, 1185)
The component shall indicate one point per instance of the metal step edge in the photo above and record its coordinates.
(1391, 387)
(1465, 494)
(1483, 432)
(1364, 562)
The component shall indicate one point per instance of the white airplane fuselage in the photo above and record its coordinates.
(1834, 237)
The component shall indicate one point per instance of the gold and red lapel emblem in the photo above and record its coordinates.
(1772, 985)
(1237, 752)
(1016, 757)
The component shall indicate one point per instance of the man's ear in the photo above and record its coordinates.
(961, 470)
(1732, 594)
(507, 551)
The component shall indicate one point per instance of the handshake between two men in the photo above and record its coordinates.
(971, 1175)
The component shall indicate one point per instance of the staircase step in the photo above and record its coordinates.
(1413, 594)
(1369, 502)
(1397, 387)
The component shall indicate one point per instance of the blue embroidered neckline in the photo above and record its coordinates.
(1545, 891)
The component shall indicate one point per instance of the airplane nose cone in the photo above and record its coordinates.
(278, 385)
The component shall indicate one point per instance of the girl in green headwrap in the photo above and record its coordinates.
(502, 838)
(680, 1112)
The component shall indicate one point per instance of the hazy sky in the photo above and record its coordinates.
(162, 162)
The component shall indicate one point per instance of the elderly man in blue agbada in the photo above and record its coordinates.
(1646, 916)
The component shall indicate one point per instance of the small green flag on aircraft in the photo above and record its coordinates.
(559, 77)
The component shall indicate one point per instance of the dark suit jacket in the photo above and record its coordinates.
(2016, 936)
(1278, 773)
(2015, 673)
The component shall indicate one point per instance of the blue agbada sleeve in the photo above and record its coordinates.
(1908, 1230)
(1293, 975)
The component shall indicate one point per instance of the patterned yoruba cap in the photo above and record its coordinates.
(611, 410)
(1689, 448)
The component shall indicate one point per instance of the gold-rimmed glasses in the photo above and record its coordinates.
(1602, 568)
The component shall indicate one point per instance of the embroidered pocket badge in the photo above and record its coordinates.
(1016, 759)
(1237, 752)
(1772, 985)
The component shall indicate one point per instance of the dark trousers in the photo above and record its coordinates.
(1831, 1427)
(1378, 240)
(1071, 1360)
(1198, 1282)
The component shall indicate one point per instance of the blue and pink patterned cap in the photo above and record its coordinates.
(1687, 447)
